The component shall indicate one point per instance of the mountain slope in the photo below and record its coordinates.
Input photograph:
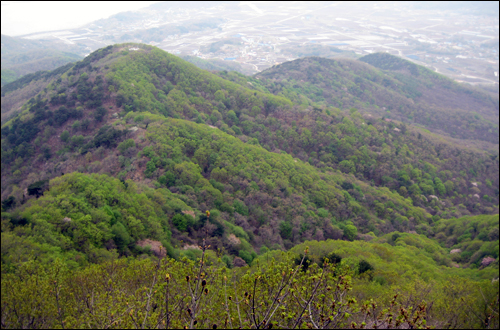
(218, 65)
(272, 172)
(15, 94)
(362, 281)
(22, 56)
(137, 187)
(275, 199)
(152, 80)
(402, 91)
(255, 197)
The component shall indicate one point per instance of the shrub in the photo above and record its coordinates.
(129, 143)
(333, 258)
(350, 232)
(364, 266)
(240, 207)
(9, 203)
(180, 222)
(245, 255)
(305, 264)
(64, 136)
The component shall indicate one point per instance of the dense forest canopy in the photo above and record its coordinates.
(401, 90)
(139, 190)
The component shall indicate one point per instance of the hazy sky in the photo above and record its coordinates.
(23, 17)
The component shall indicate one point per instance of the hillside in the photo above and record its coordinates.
(327, 138)
(218, 65)
(401, 90)
(15, 94)
(276, 200)
(348, 284)
(131, 155)
(22, 56)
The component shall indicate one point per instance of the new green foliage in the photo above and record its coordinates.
(470, 238)
(272, 170)
(152, 80)
(92, 214)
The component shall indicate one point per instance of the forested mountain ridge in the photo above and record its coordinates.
(401, 90)
(384, 153)
(93, 117)
(133, 149)
(266, 198)
(217, 65)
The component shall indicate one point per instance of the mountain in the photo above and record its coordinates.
(218, 65)
(23, 56)
(117, 80)
(391, 87)
(112, 163)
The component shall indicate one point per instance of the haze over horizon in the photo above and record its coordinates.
(21, 18)
(457, 39)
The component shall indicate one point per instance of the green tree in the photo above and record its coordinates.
(286, 230)
(64, 136)
(364, 266)
(127, 144)
(180, 222)
(240, 207)
(100, 113)
(350, 232)
(440, 187)
(219, 96)
(415, 190)
(120, 236)
(245, 255)
(347, 166)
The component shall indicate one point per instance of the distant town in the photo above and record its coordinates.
(259, 35)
